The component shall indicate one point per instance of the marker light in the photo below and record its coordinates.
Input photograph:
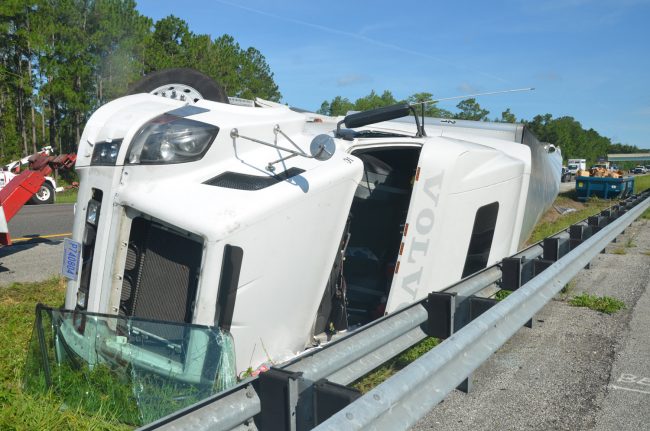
(92, 211)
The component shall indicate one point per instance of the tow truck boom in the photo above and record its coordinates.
(20, 189)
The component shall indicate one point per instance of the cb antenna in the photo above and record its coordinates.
(488, 93)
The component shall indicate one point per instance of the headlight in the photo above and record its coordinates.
(92, 211)
(105, 153)
(171, 139)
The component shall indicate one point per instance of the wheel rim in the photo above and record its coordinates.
(181, 92)
(43, 194)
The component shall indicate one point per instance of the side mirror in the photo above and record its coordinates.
(322, 147)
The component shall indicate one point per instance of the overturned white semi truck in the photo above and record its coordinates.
(280, 227)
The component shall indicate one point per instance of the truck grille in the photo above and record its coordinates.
(160, 273)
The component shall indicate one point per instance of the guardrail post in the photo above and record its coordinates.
(579, 233)
(441, 310)
(516, 271)
(597, 222)
(555, 248)
(330, 398)
(278, 392)
(621, 210)
(541, 265)
(466, 385)
(477, 306)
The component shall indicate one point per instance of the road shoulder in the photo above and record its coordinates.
(559, 374)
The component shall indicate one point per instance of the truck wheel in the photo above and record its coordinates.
(183, 84)
(45, 195)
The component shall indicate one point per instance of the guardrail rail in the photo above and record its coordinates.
(310, 391)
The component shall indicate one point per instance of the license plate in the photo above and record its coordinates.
(71, 257)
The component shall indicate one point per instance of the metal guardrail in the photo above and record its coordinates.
(308, 392)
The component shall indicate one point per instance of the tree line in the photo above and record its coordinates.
(566, 132)
(61, 59)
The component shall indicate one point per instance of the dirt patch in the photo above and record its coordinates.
(562, 202)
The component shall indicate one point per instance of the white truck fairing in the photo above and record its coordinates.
(244, 238)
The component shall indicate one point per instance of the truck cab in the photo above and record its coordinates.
(261, 231)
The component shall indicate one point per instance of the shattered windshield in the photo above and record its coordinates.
(137, 369)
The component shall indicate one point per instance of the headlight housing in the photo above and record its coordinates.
(171, 139)
(105, 153)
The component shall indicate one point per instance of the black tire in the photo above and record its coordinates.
(200, 82)
(45, 195)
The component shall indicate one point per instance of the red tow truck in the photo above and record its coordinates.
(24, 186)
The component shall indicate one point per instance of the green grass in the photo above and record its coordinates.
(619, 250)
(391, 367)
(20, 410)
(591, 207)
(567, 290)
(502, 294)
(641, 183)
(604, 304)
(67, 197)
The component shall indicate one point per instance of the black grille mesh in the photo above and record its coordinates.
(238, 181)
(161, 283)
(126, 289)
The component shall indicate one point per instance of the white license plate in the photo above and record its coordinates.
(71, 258)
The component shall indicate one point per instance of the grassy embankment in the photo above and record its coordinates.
(67, 197)
(553, 222)
(22, 411)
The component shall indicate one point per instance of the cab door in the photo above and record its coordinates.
(412, 268)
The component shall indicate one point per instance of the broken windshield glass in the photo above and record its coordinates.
(136, 370)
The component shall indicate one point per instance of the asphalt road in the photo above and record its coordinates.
(36, 255)
(42, 220)
(568, 186)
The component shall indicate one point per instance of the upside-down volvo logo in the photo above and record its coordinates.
(419, 245)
